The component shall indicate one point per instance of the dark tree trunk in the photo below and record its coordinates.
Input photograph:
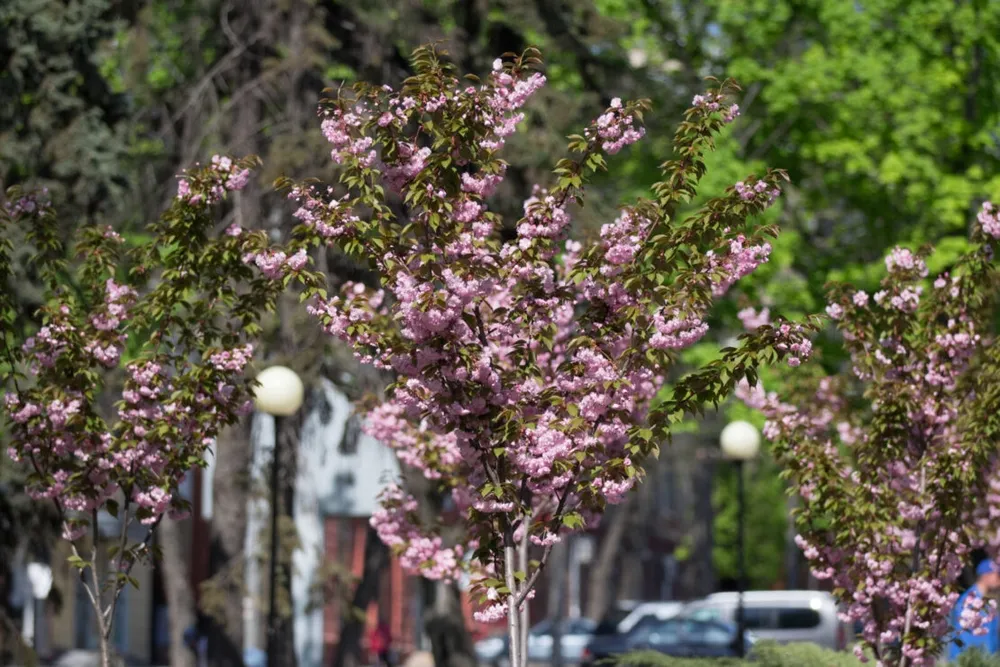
(230, 488)
(599, 588)
(451, 644)
(351, 624)
(180, 597)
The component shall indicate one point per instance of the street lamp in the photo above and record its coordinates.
(279, 394)
(740, 443)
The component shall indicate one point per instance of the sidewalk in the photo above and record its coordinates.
(81, 658)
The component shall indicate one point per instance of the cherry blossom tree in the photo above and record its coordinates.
(527, 363)
(164, 325)
(896, 460)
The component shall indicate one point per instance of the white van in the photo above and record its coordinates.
(781, 616)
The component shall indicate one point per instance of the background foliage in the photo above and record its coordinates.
(884, 113)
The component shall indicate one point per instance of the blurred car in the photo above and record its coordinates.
(649, 611)
(781, 616)
(611, 640)
(574, 634)
(491, 649)
(617, 612)
(680, 637)
(689, 638)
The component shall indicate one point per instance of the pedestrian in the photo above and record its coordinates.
(987, 638)
(379, 643)
(196, 639)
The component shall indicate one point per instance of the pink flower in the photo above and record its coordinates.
(297, 261)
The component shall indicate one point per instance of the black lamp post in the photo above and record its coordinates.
(280, 393)
(740, 442)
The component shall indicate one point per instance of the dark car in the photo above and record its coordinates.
(610, 643)
(680, 637)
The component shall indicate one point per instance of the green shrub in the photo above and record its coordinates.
(769, 654)
(976, 658)
(766, 654)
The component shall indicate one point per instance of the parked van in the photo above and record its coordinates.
(781, 616)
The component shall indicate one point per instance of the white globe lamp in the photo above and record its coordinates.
(740, 441)
(280, 392)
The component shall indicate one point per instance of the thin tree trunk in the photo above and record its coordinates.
(180, 597)
(230, 494)
(525, 622)
(376, 561)
(515, 637)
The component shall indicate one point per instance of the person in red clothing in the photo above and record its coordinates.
(379, 643)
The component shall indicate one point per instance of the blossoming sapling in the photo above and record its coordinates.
(164, 324)
(526, 362)
(893, 459)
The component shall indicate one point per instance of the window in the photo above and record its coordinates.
(707, 633)
(644, 624)
(798, 618)
(758, 618)
(577, 626)
(705, 614)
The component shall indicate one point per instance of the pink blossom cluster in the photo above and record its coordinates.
(506, 93)
(275, 264)
(210, 185)
(740, 261)
(395, 522)
(328, 216)
(412, 161)
(621, 241)
(677, 333)
(107, 346)
(234, 360)
(355, 308)
(29, 204)
(388, 423)
(902, 261)
(989, 220)
(752, 319)
(760, 189)
(615, 129)
(712, 102)
(45, 347)
(544, 217)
